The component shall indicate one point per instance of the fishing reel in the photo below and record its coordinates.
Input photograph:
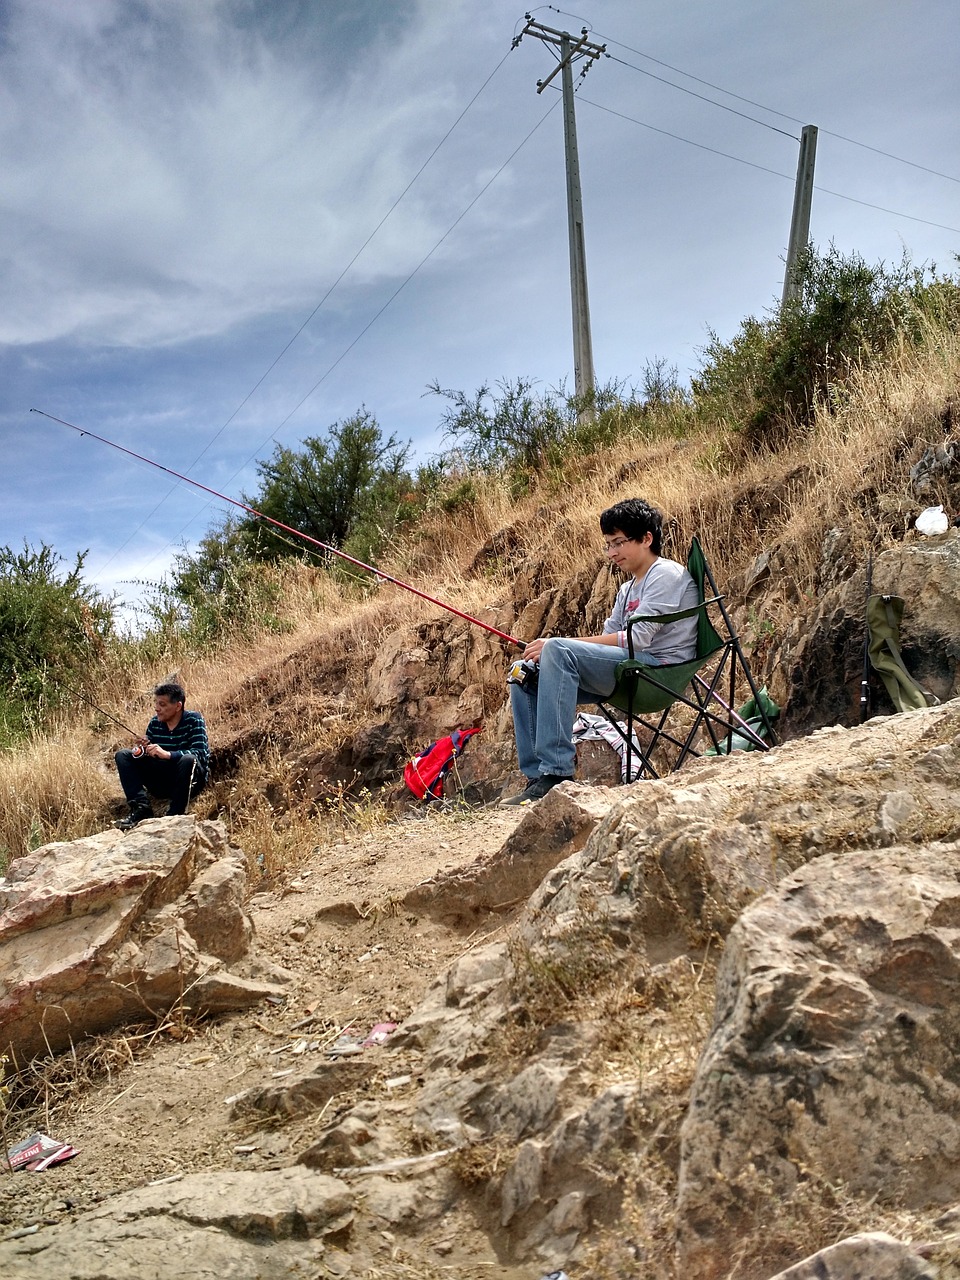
(138, 751)
(524, 672)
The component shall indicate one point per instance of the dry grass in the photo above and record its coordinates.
(50, 790)
(44, 1092)
(265, 809)
(314, 677)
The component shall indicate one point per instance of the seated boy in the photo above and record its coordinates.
(572, 671)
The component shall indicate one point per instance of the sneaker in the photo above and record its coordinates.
(537, 789)
(135, 816)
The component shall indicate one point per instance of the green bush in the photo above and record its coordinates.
(523, 433)
(54, 629)
(769, 379)
(327, 489)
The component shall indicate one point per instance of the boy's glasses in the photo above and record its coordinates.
(616, 544)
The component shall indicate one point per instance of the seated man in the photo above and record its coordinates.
(170, 762)
(582, 670)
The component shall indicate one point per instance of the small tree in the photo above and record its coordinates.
(53, 627)
(326, 488)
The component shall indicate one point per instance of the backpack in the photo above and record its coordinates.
(426, 773)
(884, 615)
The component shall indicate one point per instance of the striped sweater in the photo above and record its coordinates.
(189, 735)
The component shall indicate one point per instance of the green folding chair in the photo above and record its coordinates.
(707, 684)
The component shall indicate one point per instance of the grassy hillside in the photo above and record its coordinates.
(746, 460)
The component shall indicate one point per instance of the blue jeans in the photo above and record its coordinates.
(571, 671)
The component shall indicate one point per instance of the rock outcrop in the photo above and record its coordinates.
(118, 928)
(815, 668)
(872, 817)
(273, 1225)
(836, 1050)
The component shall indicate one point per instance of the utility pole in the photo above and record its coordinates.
(802, 201)
(573, 49)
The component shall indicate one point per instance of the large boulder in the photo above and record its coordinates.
(835, 1054)
(118, 928)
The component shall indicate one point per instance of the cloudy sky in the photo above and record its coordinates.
(231, 223)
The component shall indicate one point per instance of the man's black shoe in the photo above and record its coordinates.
(537, 789)
(135, 816)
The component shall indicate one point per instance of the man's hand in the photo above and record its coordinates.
(532, 652)
(156, 752)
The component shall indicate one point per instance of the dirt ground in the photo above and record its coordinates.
(357, 958)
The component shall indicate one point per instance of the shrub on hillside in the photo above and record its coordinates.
(770, 377)
(327, 489)
(53, 629)
(217, 594)
(523, 433)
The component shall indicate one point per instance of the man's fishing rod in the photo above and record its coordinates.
(82, 697)
(82, 431)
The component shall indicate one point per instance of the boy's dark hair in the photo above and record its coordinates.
(634, 518)
(172, 692)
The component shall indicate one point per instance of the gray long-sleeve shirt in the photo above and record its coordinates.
(666, 587)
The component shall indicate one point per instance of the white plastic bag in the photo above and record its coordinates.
(933, 520)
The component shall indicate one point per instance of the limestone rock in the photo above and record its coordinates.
(548, 832)
(871, 1256)
(118, 927)
(212, 1225)
(351, 1143)
(670, 864)
(835, 1050)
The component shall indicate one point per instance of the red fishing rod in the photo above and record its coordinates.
(386, 577)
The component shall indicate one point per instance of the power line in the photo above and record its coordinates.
(913, 164)
(679, 138)
(372, 321)
(765, 169)
(217, 434)
(749, 101)
(703, 98)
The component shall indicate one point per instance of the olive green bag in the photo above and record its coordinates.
(884, 615)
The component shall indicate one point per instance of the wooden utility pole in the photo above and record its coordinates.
(572, 49)
(802, 201)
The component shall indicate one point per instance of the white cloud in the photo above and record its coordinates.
(177, 174)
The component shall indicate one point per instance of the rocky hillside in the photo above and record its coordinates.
(698, 1027)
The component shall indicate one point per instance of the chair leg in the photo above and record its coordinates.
(734, 642)
(646, 767)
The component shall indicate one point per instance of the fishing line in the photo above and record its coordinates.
(297, 533)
